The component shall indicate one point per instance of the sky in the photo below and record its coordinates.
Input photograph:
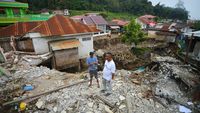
(193, 6)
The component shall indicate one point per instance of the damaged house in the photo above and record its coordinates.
(68, 40)
(193, 44)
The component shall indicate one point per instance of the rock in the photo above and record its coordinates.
(90, 104)
(63, 111)
(55, 109)
(89, 112)
(122, 106)
(122, 98)
(40, 104)
(107, 110)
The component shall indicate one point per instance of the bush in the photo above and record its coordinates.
(133, 33)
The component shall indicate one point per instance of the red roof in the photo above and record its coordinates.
(146, 20)
(77, 17)
(55, 26)
(120, 22)
(18, 29)
(149, 16)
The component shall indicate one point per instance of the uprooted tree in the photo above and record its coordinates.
(133, 33)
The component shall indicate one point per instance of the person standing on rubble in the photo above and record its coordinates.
(92, 63)
(108, 74)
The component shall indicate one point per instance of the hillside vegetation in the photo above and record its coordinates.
(133, 7)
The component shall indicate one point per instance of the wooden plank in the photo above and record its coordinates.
(44, 93)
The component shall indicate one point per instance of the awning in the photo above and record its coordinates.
(114, 27)
(65, 44)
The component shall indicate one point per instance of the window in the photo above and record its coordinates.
(86, 39)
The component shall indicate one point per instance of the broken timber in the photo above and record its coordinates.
(47, 92)
(105, 101)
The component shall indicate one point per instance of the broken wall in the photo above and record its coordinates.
(196, 51)
(5, 44)
(25, 45)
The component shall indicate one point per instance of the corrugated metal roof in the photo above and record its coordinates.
(94, 20)
(18, 29)
(55, 26)
(65, 44)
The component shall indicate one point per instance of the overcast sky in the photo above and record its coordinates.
(193, 6)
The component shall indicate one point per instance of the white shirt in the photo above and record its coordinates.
(108, 70)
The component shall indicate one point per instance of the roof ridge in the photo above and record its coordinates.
(92, 19)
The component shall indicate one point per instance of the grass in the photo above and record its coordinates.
(110, 15)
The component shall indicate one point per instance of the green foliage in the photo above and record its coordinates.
(104, 15)
(133, 33)
(197, 25)
(110, 15)
(133, 7)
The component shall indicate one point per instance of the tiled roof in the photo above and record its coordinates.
(55, 26)
(94, 20)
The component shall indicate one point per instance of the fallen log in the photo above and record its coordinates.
(26, 53)
(44, 93)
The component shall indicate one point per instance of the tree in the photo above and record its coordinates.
(180, 4)
(133, 33)
(197, 25)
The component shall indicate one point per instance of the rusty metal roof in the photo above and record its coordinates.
(18, 29)
(55, 26)
(65, 44)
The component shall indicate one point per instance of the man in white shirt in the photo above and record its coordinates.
(108, 74)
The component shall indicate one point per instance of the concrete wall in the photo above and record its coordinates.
(5, 44)
(25, 45)
(102, 27)
(143, 26)
(65, 58)
(86, 46)
(41, 44)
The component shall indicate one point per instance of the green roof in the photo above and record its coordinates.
(14, 4)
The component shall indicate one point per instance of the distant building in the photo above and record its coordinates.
(77, 18)
(120, 23)
(64, 12)
(12, 12)
(146, 21)
(195, 47)
(113, 27)
(98, 21)
(68, 40)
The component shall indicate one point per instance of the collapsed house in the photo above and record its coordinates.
(192, 46)
(66, 39)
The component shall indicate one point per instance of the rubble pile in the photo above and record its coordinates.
(125, 96)
(150, 89)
